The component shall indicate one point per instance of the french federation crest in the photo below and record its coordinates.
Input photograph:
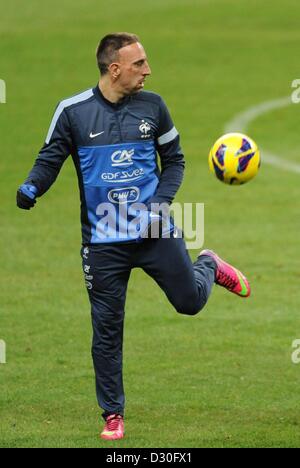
(145, 128)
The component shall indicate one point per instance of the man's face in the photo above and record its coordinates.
(132, 68)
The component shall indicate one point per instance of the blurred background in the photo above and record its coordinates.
(225, 377)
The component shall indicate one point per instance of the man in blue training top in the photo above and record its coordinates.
(114, 133)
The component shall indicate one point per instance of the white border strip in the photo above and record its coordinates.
(2, 92)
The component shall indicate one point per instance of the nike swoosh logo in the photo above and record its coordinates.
(244, 290)
(93, 135)
(108, 433)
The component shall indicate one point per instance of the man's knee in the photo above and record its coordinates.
(190, 308)
(190, 303)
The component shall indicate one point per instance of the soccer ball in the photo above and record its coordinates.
(234, 159)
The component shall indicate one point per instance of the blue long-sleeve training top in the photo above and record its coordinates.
(114, 148)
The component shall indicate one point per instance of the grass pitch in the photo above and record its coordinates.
(223, 378)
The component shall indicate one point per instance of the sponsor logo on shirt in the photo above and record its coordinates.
(124, 195)
(122, 158)
(122, 176)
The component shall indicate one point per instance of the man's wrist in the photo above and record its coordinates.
(29, 190)
(26, 196)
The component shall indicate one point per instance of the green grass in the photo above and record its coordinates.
(223, 378)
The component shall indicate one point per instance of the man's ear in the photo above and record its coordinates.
(114, 69)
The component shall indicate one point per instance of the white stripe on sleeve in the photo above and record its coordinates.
(167, 137)
(66, 103)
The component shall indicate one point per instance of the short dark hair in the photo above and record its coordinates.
(108, 47)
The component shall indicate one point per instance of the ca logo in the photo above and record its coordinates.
(122, 158)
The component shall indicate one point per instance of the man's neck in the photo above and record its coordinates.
(109, 91)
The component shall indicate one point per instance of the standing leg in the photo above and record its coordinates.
(107, 271)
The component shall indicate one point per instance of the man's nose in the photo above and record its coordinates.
(147, 69)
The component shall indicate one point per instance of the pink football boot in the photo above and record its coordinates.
(114, 427)
(228, 276)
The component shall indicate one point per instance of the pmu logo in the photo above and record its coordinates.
(122, 158)
(2, 92)
(124, 195)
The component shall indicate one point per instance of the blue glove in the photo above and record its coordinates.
(26, 196)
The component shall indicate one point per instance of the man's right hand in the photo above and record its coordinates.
(26, 196)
